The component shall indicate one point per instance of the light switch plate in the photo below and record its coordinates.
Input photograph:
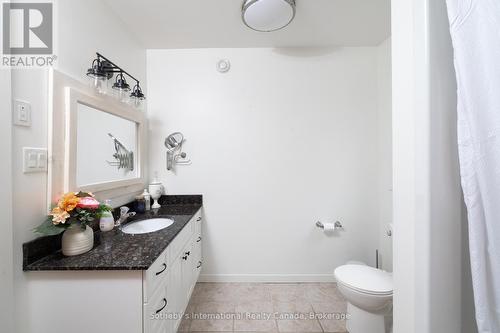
(21, 113)
(34, 160)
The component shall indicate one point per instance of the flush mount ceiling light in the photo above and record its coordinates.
(267, 15)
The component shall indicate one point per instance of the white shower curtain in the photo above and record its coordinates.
(475, 31)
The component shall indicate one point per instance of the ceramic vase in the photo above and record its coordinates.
(76, 240)
(155, 190)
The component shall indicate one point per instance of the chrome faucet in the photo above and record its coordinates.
(124, 215)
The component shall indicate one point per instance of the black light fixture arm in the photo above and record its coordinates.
(114, 68)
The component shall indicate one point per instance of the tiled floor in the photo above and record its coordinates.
(259, 307)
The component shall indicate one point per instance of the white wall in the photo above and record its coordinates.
(405, 178)
(432, 290)
(82, 27)
(85, 27)
(29, 190)
(286, 137)
(451, 286)
(6, 257)
(384, 152)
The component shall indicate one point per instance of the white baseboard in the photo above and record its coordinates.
(269, 278)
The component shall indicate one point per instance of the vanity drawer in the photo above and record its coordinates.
(156, 312)
(156, 275)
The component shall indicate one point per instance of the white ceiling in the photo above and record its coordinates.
(217, 23)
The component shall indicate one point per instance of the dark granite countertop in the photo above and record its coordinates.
(115, 250)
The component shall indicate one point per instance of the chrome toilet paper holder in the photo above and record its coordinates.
(320, 224)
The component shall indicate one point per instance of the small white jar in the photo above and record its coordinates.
(155, 190)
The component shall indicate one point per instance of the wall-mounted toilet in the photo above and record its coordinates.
(368, 292)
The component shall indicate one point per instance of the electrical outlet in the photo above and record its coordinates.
(34, 160)
(21, 113)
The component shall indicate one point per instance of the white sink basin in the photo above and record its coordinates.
(145, 226)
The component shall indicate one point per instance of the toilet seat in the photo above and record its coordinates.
(365, 279)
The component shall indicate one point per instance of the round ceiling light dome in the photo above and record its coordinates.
(268, 15)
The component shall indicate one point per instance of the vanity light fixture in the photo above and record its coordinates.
(103, 69)
(97, 71)
(137, 93)
(267, 15)
(137, 96)
(121, 84)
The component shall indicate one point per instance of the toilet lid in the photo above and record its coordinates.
(365, 279)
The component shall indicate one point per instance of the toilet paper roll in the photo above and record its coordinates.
(330, 226)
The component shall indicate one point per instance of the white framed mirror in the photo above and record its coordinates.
(109, 141)
(96, 143)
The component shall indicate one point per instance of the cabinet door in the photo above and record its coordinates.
(175, 293)
(187, 273)
(197, 257)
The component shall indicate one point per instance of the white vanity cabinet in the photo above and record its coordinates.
(169, 282)
(125, 301)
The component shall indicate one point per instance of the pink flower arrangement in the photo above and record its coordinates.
(88, 203)
(80, 208)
